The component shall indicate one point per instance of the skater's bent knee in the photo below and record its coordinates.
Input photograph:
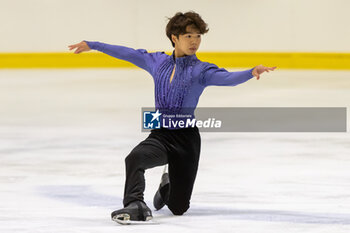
(178, 211)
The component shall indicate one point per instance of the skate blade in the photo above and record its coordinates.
(124, 219)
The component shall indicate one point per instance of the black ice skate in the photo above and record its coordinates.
(136, 211)
(162, 194)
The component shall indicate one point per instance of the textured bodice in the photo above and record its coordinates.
(169, 96)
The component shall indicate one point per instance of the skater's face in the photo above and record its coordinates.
(187, 44)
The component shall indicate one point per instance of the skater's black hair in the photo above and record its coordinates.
(178, 23)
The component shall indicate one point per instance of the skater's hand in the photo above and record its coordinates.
(261, 69)
(80, 47)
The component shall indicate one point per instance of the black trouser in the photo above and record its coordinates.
(180, 148)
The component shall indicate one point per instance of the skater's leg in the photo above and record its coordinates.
(147, 154)
(182, 177)
(183, 166)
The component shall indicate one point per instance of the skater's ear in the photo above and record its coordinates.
(174, 38)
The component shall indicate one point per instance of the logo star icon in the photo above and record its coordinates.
(156, 115)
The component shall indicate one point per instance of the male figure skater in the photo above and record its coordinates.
(179, 81)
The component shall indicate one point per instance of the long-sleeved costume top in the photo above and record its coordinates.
(181, 95)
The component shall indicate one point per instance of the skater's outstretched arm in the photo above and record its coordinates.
(213, 75)
(138, 57)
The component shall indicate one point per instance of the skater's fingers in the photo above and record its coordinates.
(72, 47)
(79, 50)
(75, 45)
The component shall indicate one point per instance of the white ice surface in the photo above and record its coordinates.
(64, 135)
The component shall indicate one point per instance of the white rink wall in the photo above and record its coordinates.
(251, 25)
